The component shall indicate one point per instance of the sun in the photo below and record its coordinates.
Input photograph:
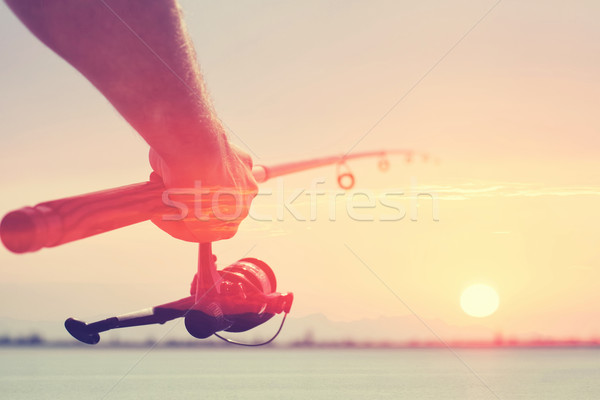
(479, 300)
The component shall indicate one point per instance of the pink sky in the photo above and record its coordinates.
(512, 112)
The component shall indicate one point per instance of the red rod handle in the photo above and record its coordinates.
(56, 222)
(61, 221)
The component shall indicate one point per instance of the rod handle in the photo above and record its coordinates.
(61, 221)
(56, 222)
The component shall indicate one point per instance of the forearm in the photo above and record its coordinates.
(142, 61)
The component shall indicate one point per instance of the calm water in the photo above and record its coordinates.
(298, 374)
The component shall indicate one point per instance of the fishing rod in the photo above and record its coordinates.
(234, 299)
(56, 222)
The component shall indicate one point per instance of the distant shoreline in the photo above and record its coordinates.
(37, 341)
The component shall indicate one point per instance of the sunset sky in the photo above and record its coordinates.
(511, 112)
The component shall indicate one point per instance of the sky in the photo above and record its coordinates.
(508, 104)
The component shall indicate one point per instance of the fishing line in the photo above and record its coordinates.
(230, 341)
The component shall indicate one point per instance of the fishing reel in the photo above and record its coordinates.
(241, 297)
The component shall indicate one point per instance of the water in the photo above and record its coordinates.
(266, 373)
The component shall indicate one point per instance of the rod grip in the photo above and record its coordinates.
(61, 221)
(56, 222)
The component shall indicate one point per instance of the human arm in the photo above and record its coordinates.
(138, 55)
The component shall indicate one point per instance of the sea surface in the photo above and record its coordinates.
(271, 373)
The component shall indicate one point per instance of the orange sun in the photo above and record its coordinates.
(479, 301)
